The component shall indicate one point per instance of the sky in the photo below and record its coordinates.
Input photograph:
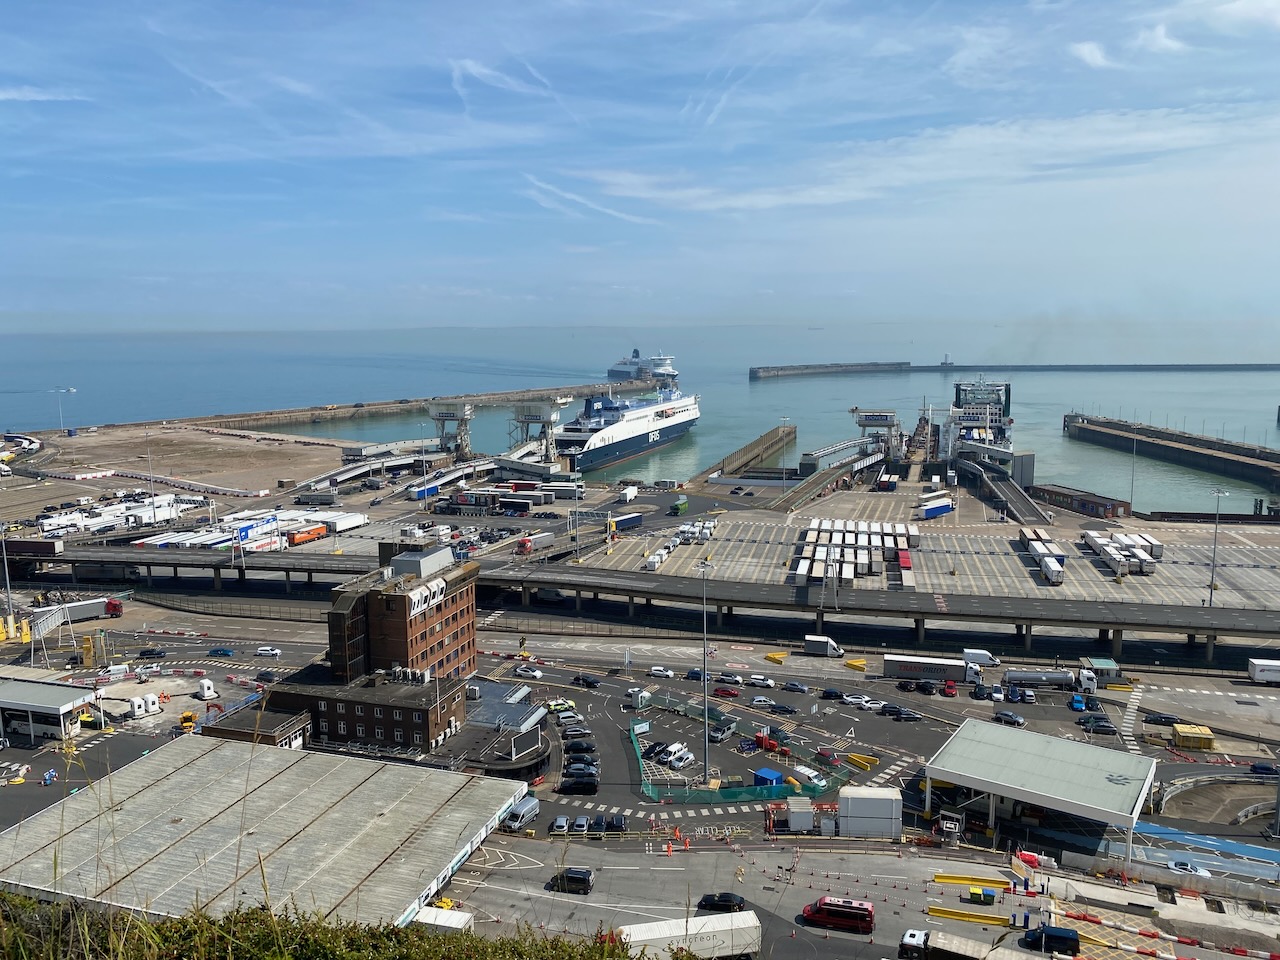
(948, 165)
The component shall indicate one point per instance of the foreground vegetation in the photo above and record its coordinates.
(72, 931)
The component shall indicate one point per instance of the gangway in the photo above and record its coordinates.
(998, 483)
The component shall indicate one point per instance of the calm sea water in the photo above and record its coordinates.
(121, 378)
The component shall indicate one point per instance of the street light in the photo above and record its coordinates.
(705, 568)
(1219, 493)
(785, 421)
(60, 391)
(423, 434)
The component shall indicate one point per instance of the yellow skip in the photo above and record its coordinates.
(775, 657)
(865, 761)
(856, 665)
(971, 916)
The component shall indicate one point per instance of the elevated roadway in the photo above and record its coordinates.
(1110, 618)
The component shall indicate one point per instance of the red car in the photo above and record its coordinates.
(949, 689)
(725, 692)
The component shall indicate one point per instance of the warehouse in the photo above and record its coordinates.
(211, 825)
(1067, 776)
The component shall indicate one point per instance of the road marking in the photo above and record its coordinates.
(667, 868)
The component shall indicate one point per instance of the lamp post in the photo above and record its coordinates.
(785, 421)
(60, 391)
(6, 629)
(423, 454)
(1218, 493)
(705, 568)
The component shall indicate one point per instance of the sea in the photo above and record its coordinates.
(127, 377)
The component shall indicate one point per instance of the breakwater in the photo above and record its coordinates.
(895, 366)
(1226, 458)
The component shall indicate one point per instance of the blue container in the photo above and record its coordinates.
(72, 431)
(767, 778)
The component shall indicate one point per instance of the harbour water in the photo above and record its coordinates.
(132, 377)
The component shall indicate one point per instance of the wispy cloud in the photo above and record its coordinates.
(982, 58)
(1230, 14)
(1157, 40)
(27, 94)
(1091, 54)
(589, 204)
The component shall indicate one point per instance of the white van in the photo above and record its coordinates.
(521, 815)
(813, 777)
(115, 671)
(983, 658)
(673, 750)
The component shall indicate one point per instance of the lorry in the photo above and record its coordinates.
(940, 945)
(680, 507)
(440, 920)
(819, 646)
(108, 571)
(708, 937)
(627, 494)
(930, 511)
(534, 542)
(85, 609)
(549, 595)
(1051, 570)
(628, 521)
(931, 668)
(316, 499)
(1264, 671)
(1085, 682)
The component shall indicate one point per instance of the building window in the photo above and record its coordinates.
(359, 710)
(377, 713)
(324, 726)
(399, 735)
(323, 706)
(417, 716)
(417, 737)
(397, 714)
(342, 727)
(359, 729)
(378, 734)
(341, 707)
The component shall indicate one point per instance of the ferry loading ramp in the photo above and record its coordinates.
(213, 825)
(1067, 776)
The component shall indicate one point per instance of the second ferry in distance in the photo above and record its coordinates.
(612, 429)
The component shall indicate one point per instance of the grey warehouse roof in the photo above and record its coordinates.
(1057, 774)
(204, 823)
(42, 696)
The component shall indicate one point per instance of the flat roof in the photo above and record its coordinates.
(211, 824)
(1065, 775)
(44, 696)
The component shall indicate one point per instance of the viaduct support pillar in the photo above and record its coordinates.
(1191, 639)
(818, 623)
(1209, 641)
(631, 606)
(288, 582)
(1117, 644)
(241, 573)
(920, 631)
(1026, 636)
(524, 595)
(577, 601)
(217, 578)
(720, 611)
(1104, 635)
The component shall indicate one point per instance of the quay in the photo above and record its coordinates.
(1226, 458)
(896, 366)
(415, 406)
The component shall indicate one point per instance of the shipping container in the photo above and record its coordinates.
(307, 534)
(1154, 547)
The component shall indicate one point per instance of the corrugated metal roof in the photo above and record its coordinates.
(1065, 775)
(36, 695)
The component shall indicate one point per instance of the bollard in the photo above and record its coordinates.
(1013, 919)
(793, 933)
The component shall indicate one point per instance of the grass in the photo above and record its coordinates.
(30, 930)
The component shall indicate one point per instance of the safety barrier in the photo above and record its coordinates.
(969, 916)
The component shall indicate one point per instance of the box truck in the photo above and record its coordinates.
(1264, 671)
(627, 494)
(707, 937)
(816, 646)
(940, 945)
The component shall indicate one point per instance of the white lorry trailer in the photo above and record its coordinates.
(1264, 671)
(931, 668)
(708, 937)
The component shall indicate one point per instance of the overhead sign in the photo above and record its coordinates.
(426, 597)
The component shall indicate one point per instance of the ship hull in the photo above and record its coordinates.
(636, 446)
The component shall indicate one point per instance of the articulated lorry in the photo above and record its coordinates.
(817, 646)
(1085, 682)
(86, 609)
(708, 937)
(1264, 671)
(940, 945)
(627, 494)
(534, 542)
(119, 572)
(931, 668)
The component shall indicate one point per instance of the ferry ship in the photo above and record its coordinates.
(635, 367)
(611, 429)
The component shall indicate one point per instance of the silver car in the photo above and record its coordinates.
(559, 827)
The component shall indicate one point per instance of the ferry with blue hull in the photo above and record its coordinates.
(612, 429)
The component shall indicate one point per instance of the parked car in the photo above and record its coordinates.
(559, 827)
(889, 710)
(831, 693)
(1014, 695)
(222, 652)
(618, 823)
(997, 694)
(680, 761)
(152, 653)
(1028, 696)
(734, 678)
(1264, 769)
(527, 672)
(854, 699)
(979, 691)
(1009, 718)
(949, 689)
(1091, 718)
(588, 786)
(583, 680)
(907, 686)
(725, 692)
(569, 718)
(559, 705)
(581, 825)
(576, 732)
(1162, 719)
(653, 749)
(1076, 703)
(576, 770)
(907, 716)
(927, 687)
(1092, 703)
(795, 686)
(694, 674)
(662, 672)
(758, 680)
(268, 652)
(784, 709)
(827, 756)
(762, 702)
(580, 758)
(599, 825)
(871, 705)
(1187, 867)
(725, 902)
(580, 746)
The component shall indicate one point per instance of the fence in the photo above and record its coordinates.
(316, 613)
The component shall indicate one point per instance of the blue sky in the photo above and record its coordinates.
(240, 165)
